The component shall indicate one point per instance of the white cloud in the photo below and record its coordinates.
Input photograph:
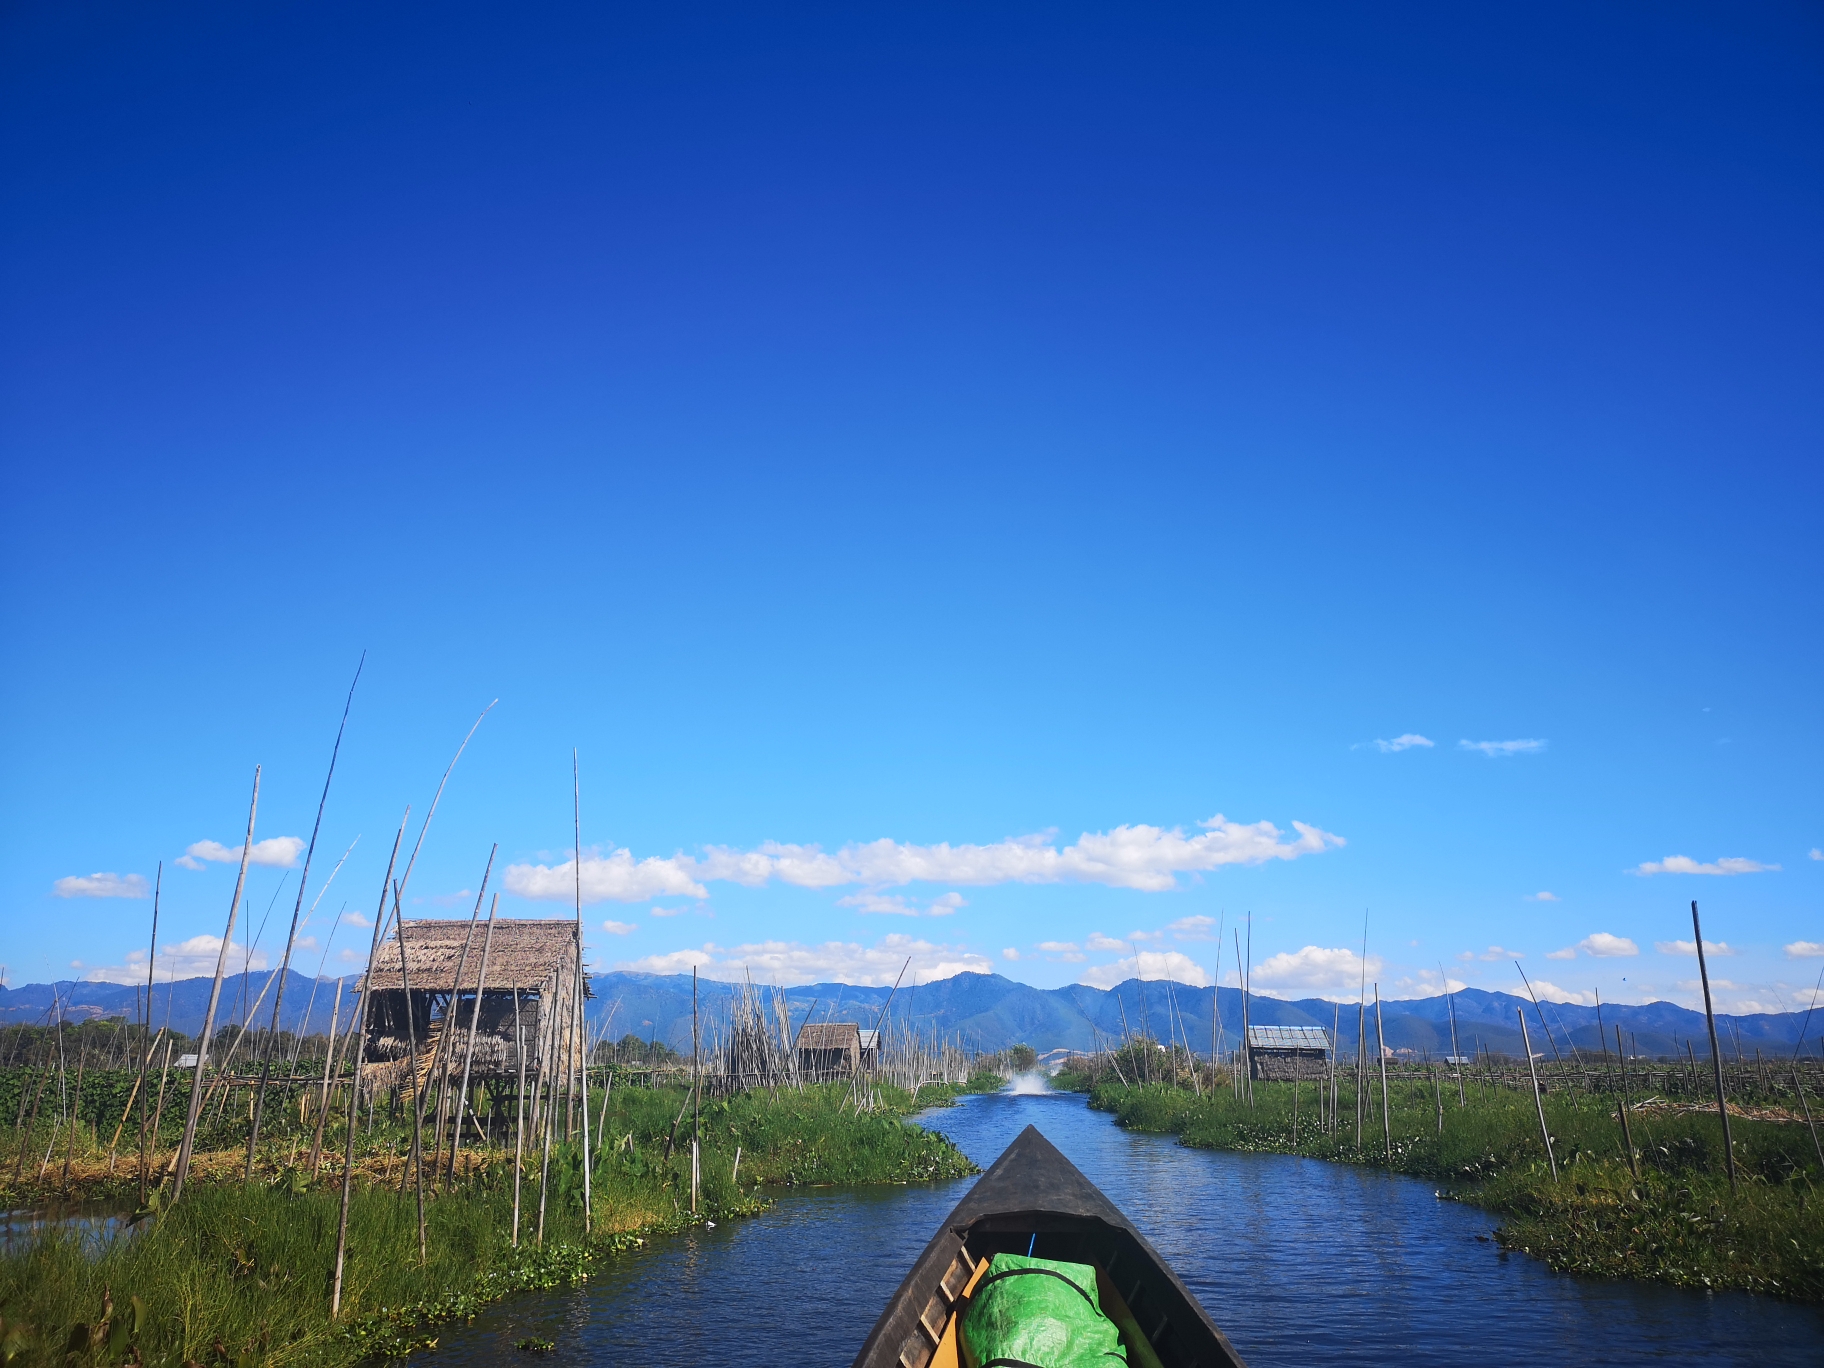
(1551, 992)
(193, 958)
(619, 928)
(1604, 946)
(1569, 952)
(1543, 896)
(357, 919)
(102, 886)
(1689, 947)
(307, 943)
(880, 904)
(1496, 952)
(1406, 742)
(1804, 950)
(1311, 972)
(1104, 944)
(1061, 952)
(897, 905)
(1428, 983)
(1684, 864)
(1815, 854)
(615, 877)
(1494, 750)
(1010, 953)
(348, 955)
(1141, 857)
(1192, 928)
(791, 962)
(280, 852)
(667, 911)
(1153, 964)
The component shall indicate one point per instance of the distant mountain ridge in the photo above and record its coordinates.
(989, 1012)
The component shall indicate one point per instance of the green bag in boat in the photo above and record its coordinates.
(1038, 1313)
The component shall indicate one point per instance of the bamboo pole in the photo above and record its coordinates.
(291, 938)
(358, 1024)
(215, 996)
(1456, 1050)
(1361, 1035)
(468, 1057)
(545, 1073)
(519, 1102)
(1811, 1125)
(440, 1054)
(69, 1149)
(1380, 1042)
(696, 1069)
(582, 982)
(152, 1046)
(1538, 1097)
(1627, 1134)
(158, 1112)
(1716, 1054)
(329, 1059)
(411, 1046)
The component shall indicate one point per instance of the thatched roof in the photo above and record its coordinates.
(525, 954)
(834, 1035)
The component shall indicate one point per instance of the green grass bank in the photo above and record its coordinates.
(1676, 1221)
(238, 1275)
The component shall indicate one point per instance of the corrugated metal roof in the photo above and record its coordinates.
(1288, 1038)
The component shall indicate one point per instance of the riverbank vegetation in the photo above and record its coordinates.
(238, 1273)
(1668, 1214)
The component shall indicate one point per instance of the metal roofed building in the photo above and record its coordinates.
(1285, 1053)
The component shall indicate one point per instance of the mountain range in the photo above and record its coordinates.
(988, 1012)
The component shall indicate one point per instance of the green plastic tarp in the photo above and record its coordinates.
(1038, 1312)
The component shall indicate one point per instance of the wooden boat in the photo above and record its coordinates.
(1035, 1201)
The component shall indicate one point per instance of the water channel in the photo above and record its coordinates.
(1299, 1261)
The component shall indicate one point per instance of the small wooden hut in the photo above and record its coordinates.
(529, 994)
(835, 1049)
(1285, 1053)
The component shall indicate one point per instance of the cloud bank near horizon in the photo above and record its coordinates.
(1141, 857)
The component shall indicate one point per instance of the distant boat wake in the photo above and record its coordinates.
(1030, 1084)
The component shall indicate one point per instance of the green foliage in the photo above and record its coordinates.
(1676, 1222)
(236, 1276)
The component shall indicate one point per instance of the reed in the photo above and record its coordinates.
(1673, 1221)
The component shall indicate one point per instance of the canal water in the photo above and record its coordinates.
(1299, 1261)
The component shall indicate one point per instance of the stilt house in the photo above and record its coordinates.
(835, 1049)
(1285, 1053)
(424, 991)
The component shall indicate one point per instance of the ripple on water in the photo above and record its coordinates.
(1299, 1261)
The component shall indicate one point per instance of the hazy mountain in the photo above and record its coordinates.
(988, 1012)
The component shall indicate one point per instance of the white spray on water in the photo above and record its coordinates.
(1029, 1084)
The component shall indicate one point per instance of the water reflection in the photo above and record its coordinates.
(1298, 1260)
(94, 1225)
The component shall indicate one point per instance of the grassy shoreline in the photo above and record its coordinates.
(1676, 1222)
(238, 1275)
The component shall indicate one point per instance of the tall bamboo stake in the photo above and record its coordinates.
(411, 1046)
(548, 1078)
(582, 981)
(446, 1039)
(69, 1149)
(1716, 1054)
(519, 1102)
(358, 1024)
(468, 1057)
(1545, 1133)
(1627, 1134)
(1456, 1051)
(151, 1046)
(1380, 1043)
(1361, 1035)
(215, 997)
(329, 1059)
(291, 939)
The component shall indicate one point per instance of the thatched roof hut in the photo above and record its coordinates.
(528, 994)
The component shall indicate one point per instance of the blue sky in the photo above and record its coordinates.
(1037, 431)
